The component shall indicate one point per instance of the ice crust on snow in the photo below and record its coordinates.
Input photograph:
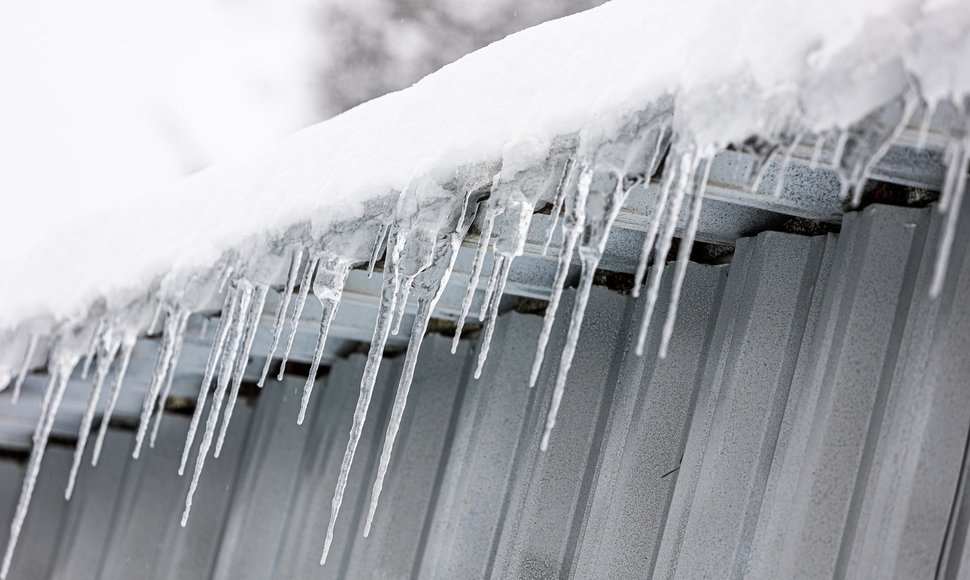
(577, 113)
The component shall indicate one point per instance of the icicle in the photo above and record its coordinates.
(493, 277)
(502, 264)
(169, 339)
(557, 205)
(683, 257)
(169, 377)
(374, 356)
(245, 293)
(281, 312)
(128, 345)
(513, 228)
(604, 198)
(205, 326)
(311, 266)
(418, 330)
(52, 400)
(328, 288)
(376, 252)
(466, 302)
(107, 349)
(25, 367)
(92, 347)
(817, 151)
(255, 312)
(688, 165)
(218, 345)
(562, 270)
(659, 210)
(953, 189)
(430, 283)
(402, 302)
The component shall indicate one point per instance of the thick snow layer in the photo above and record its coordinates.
(734, 69)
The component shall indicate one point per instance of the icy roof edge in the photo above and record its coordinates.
(757, 77)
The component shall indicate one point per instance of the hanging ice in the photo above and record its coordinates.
(513, 226)
(107, 348)
(63, 361)
(174, 329)
(281, 311)
(244, 292)
(255, 312)
(430, 277)
(127, 346)
(328, 287)
(311, 266)
(169, 377)
(25, 368)
(612, 172)
(218, 345)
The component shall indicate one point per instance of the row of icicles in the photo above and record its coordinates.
(587, 186)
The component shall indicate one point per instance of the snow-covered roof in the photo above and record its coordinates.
(630, 105)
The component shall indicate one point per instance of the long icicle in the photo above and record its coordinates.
(400, 401)
(328, 288)
(503, 264)
(52, 400)
(25, 367)
(225, 373)
(255, 312)
(218, 345)
(127, 346)
(596, 233)
(281, 312)
(169, 377)
(466, 302)
(311, 266)
(659, 209)
(107, 349)
(158, 377)
(572, 337)
(686, 174)
(683, 257)
(375, 354)
(431, 284)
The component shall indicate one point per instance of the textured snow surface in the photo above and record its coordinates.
(735, 69)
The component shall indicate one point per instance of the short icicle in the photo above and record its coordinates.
(557, 205)
(311, 266)
(683, 257)
(127, 347)
(328, 287)
(107, 349)
(218, 345)
(466, 302)
(25, 367)
(255, 312)
(281, 312)
(245, 293)
(53, 396)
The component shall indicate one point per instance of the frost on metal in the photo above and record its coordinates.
(586, 176)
